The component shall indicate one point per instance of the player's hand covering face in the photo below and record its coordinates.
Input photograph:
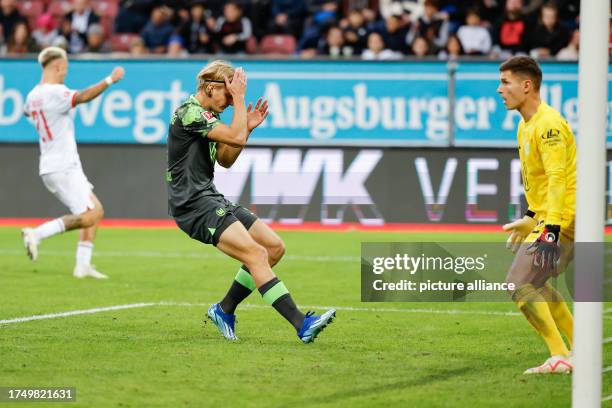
(256, 116)
(237, 86)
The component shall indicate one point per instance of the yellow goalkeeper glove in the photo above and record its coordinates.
(519, 230)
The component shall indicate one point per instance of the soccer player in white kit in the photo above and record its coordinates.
(49, 106)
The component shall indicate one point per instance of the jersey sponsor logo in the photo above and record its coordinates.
(209, 116)
(220, 212)
(551, 134)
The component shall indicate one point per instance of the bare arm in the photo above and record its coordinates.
(227, 155)
(93, 91)
(236, 134)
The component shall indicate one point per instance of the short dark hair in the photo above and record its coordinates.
(525, 66)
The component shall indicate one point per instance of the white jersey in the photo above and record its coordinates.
(49, 108)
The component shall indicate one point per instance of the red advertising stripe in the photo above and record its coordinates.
(306, 226)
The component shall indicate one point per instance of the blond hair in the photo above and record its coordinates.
(51, 54)
(214, 72)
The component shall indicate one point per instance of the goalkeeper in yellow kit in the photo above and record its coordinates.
(543, 238)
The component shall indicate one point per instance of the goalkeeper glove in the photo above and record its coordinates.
(519, 230)
(546, 250)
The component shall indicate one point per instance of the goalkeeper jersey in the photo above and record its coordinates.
(548, 164)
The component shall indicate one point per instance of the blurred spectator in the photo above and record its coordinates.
(287, 17)
(531, 7)
(20, 41)
(453, 49)
(370, 17)
(334, 45)
(196, 31)
(433, 25)
(133, 15)
(509, 31)
(376, 49)
(569, 12)
(414, 8)
(420, 47)
(475, 39)
(355, 32)
(95, 40)
(157, 32)
(323, 12)
(45, 32)
(9, 17)
(137, 47)
(60, 42)
(489, 10)
(322, 17)
(396, 36)
(549, 36)
(81, 17)
(233, 29)
(570, 53)
(175, 47)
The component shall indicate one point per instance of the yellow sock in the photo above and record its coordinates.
(559, 311)
(536, 310)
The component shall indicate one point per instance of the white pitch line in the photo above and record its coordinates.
(75, 312)
(608, 398)
(607, 340)
(251, 306)
(201, 255)
(607, 369)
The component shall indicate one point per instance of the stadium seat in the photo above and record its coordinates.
(108, 24)
(59, 7)
(251, 46)
(31, 10)
(283, 44)
(121, 42)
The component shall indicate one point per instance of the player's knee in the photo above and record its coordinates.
(257, 255)
(276, 251)
(87, 219)
(99, 212)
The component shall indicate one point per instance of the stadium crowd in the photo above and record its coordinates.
(379, 29)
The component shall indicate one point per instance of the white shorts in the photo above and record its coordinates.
(72, 188)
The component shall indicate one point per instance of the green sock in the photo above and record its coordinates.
(276, 294)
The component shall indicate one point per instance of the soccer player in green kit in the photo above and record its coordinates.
(197, 138)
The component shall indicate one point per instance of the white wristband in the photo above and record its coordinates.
(108, 80)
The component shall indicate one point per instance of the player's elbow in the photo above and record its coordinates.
(224, 163)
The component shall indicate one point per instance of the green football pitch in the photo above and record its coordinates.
(158, 352)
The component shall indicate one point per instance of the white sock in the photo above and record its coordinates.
(49, 229)
(83, 253)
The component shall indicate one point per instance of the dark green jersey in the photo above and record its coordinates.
(191, 156)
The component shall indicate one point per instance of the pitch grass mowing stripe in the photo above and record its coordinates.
(162, 254)
(250, 306)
